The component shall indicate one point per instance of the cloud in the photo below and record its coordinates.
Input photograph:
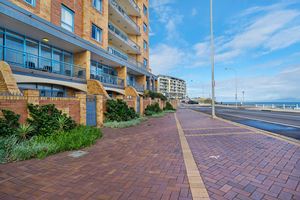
(258, 88)
(194, 12)
(164, 58)
(280, 39)
(168, 17)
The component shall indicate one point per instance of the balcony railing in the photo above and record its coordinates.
(123, 37)
(108, 79)
(23, 59)
(134, 4)
(117, 53)
(138, 87)
(120, 10)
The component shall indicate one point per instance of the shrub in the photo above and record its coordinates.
(42, 146)
(9, 123)
(125, 124)
(118, 110)
(154, 95)
(7, 144)
(24, 131)
(168, 106)
(152, 109)
(45, 119)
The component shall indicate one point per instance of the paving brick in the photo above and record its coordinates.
(141, 162)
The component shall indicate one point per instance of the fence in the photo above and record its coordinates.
(84, 110)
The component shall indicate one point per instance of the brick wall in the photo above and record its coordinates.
(75, 6)
(18, 104)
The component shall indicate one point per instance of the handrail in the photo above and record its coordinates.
(134, 4)
(123, 37)
(120, 10)
(24, 59)
(109, 79)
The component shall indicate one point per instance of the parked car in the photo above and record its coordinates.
(192, 102)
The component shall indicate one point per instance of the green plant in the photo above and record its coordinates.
(45, 119)
(9, 123)
(42, 146)
(125, 124)
(118, 110)
(152, 109)
(7, 144)
(168, 106)
(24, 131)
(154, 95)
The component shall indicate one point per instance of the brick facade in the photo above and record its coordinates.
(75, 6)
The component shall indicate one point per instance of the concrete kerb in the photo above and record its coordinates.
(198, 189)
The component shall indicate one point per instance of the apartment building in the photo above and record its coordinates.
(61, 47)
(171, 87)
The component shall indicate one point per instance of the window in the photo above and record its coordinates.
(145, 45)
(67, 18)
(145, 62)
(97, 4)
(145, 10)
(31, 2)
(145, 27)
(96, 33)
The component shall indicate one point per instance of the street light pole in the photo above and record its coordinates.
(236, 95)
(213, 115)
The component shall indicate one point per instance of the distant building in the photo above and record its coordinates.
(171, 87)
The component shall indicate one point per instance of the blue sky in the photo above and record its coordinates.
(259, 39)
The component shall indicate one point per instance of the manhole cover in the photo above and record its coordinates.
(77, 154)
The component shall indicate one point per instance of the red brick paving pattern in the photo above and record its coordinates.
(143, 162)
(245, 166)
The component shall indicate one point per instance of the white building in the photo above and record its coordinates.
(171, 87)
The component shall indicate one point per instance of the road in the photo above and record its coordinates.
(283, 123)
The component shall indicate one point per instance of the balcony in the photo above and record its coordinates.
(108, 80)
(117, 53)
(138, 87)
(33, 64)
(121, 40)
(131, 7)
(119, 17)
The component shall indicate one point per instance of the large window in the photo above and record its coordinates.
(67, 18)
(31, 2)
(46, 90)
(96, 33)
(1, 44)
(145, 27)
(14, 49)
(145, 45)
(103, 73)
(145, 62)
(97, 4)
(145, 10)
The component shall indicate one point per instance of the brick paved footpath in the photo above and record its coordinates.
(238, 163)
(143, 162)
(146, 162)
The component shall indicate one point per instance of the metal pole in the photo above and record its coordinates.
(236, 103)
(213, 115)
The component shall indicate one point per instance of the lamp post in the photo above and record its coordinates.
(213, 115)
(236, 96)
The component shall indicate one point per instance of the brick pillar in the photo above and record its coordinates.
(100, 110)
(32, 96)
(82, 102)
(141, 106)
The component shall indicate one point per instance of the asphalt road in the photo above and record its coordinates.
(283, 123)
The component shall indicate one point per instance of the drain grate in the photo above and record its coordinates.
(77, 154)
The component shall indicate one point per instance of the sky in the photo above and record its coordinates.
(258, 41)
